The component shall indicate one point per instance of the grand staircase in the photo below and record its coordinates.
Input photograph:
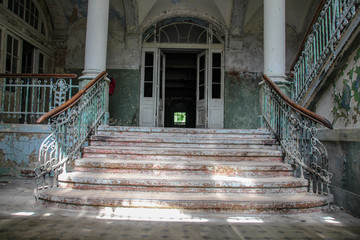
(188, 169)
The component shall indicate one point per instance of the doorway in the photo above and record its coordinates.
(180, 88)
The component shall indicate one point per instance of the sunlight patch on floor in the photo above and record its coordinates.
(331, 220)
(245, 220)
(145, 214)
(23, 214)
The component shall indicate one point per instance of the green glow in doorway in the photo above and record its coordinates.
(180, 118)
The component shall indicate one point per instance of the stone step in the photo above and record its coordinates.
(243, 168)
(185, 135)
(211, 152)
(176, 183)
(212, 202)
(98, 154)
(176, 142)
(192, 131)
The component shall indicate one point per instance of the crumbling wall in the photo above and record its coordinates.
(340, 103)
(19, 147)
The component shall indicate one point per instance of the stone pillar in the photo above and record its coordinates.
(274, 46)
(96, 38)
(96, 44)
(274, 42)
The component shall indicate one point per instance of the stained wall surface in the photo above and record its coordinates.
(340, 103)
(19, 147)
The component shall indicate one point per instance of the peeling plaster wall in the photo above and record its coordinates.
(123, 51)
(19, 146)
(76, 45)
(340, 103)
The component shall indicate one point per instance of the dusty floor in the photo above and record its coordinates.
(20, 218)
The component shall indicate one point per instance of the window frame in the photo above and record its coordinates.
(41, 26)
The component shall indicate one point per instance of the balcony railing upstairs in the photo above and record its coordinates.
(294, 127)
(25, 97)
(332, 26)
(71, 124)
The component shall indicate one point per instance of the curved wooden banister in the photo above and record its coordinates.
(36, 75)
(72, 101)
(303, 111)
(302, 45)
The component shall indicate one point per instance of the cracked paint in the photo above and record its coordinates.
(19, 147)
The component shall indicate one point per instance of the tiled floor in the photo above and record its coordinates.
(21, 219)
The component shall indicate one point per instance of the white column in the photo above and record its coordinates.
(96, 38)
(274, 38)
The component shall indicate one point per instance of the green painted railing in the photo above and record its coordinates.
(71, 123)
(295, 128)
(334, 23)
(25, 97)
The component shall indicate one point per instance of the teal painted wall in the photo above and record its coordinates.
(124, 104)
(242, 100)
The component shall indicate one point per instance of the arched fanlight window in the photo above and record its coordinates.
(28, 11)
(183, 30)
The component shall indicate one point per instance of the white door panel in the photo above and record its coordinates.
(201, 90)
(161, 60)
(216, 90)
(148, 89)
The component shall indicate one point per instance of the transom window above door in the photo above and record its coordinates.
(183, 30)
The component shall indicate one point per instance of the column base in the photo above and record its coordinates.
(282, 83)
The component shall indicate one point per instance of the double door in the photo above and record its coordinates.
(209, 89)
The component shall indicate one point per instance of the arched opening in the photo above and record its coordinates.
(182, 74)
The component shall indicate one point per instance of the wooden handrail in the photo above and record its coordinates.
(303, 111)
(72, 101)
(36, 75)
(302, 45)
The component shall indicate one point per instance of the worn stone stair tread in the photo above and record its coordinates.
(186, 135)
(181, 164)
(184, 140)
(182, 130)
(183, 200)
(175, 143)
(187, 151)
(181, 138)
(178, 180)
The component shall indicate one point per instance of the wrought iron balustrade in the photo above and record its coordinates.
(71, 124)
(295, 128)
(324, 40)
(25, 97)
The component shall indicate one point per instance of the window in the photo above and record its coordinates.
(216, 75)
(41, 63)
(183, 30)
(12, 54)
(27, 11)
(180, 118)
(201, 73)
(149, 74)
